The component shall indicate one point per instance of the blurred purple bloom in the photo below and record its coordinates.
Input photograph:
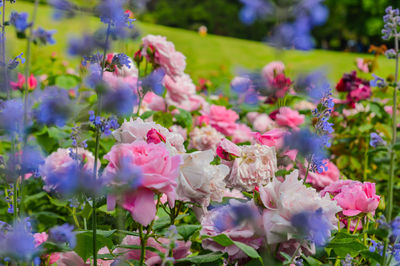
(31, 159)
(254, 9)
(84, 46)
(390, 54)
(41, 36)
(312, 226)
(55, 107)
(12, 116)
(113, 13)
(62, 9)
(63, 234)
(19, 21)
(128, 177)
(153, 82)
(377, 82)
(376, 140)
(119, 101)
(18, 243)
(232, 215)
(392, 23)
(121, 60)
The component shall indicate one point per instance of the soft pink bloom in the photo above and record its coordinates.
(159, 170)
(260, 122)
(165, 55)
(270, 71)
(181, 250)
(60, 161)
(199, 181)
(40, 238)
(124, 71)
(361, 65)
(72, 259)
(204, 138)
(19, 85)
(304, 105)
(288, 117)
(179, 130)
(272, 138)
(153, 136)
(152, 101)
(179, 89)
(362, 92)
(137, 129)
(202, 120)
(244, 232)
(116, 82)
(233, 193)
(284, 199)
(242, 134)
(353, 196)
(255, 166)
(321, 180)
(228, 150)
(222, 119)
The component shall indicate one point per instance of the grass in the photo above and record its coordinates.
(210, 56)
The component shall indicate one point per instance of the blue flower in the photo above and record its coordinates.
(41, 36)
(376, 140)
(83, 46)
(119, 101)
(377, 82)
(232, 215)
(392, 23)
(254, 9)
(18, 243)
(12, 116)
(19, 21)
(313, 226)
(112, 12)
(128, 177)
(121, 60)
(31, 159)
(63, 234)
(153, 82)
(55, 107)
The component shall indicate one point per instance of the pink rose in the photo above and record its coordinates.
(255, 166)
(321, 180)
(165, 55)
(205, 138)
(116, 82)
(222, 221)
(179, 88)
(153, 136)
(159, 170)
(40, 238)
(137, 129)
(222, 119)
(270, 71)
(288, 117)
(59, 162)
(181, 250)
(202, 120)
(152, 101)
(272, 138)
(362, 92)
(362, 65)
(353, 196)
(227, 150)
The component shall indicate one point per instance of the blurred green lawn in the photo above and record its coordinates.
(206, 56)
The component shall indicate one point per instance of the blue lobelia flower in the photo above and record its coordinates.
(63, 9)
(391, 23)
(31, 159)
(153, 82)
(63, 235)
(19, 21)
(112, 12)
(41, 36)
(13, 63)
(12, 116)
(376, 140)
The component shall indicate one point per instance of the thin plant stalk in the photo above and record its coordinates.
(96, 154)
(389, 209)
(3, 50)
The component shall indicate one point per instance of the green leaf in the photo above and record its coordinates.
(210, 257)
(345, 246)
(84, 244)
(161, 223)
(371, 255)
(223, 240)
(34, 197)
(103, 208)
(187, 230)
(249, 251)
(282, 172)
(311, 261)
(57, 133)
(147, 114)
(184, 118)
(164, 119)
(66, 82)
(342, 161)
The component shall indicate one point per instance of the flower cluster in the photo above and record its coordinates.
(357, 89)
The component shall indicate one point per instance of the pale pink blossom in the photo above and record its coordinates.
(72, 259)
(228, 150)
(115, 81)
(272, 138)
(362, 65)
(199, 181)
(154, 102)
(256, 166)
(321, 180)
(133, 130)
(242, 134)
(354, 197)
(181, 250)
(222, 119)
(159, 170)
(289, 118)
(179, 130)
(165, 55)
(270, 71)
(260, 122)
(124, 71)
(284, 199)
(204, 138)
(233, 193)
(40, 238)
(244, 232)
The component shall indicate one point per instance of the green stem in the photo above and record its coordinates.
(3, 50)
(394, 133)
(15, 202)
(365, 160)
(143, 242)
(94, 220)
(358, 222)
